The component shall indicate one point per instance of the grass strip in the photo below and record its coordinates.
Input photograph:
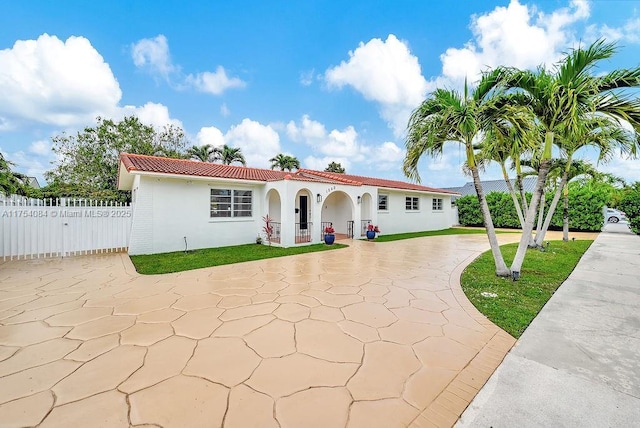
(180, 261)
(516, 303)
(450, 231)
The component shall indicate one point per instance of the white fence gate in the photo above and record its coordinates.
(33, 228)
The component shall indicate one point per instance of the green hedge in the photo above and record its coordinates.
(630, 204)
(585, 209)
(500, 204)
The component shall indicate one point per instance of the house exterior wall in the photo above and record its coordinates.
(168, 210)
(399, 220)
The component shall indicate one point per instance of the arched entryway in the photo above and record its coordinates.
(303, 223)
(338, 211)
(274, 211)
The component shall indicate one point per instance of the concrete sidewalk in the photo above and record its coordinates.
(578, 364)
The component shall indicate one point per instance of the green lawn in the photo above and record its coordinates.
(518, 302)
(450, 231)
(196, 259)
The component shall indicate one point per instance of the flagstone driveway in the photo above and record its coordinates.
(378, 334)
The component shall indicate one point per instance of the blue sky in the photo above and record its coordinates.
(321, 80)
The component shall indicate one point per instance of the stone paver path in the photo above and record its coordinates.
(376, 335)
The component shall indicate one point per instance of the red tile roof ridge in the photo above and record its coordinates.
(148, 163)
(125, 157)
(333, 176)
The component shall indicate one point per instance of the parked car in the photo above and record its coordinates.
(614, 216)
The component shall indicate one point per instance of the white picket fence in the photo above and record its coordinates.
(34, 228)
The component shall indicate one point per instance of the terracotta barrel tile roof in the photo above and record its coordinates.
(161, 165)
(199, 169)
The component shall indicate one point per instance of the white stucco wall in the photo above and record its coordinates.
(167, 210)
(398, 220)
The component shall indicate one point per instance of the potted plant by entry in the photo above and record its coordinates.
(371, 231)
(329, 235)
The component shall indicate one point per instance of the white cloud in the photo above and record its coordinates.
(258, 142)
(385, 72)
(386, 156)
(224, 110)
(517, 35)
(153, 55)
(214, 82)
(342, 146)
(628, 32)
(152, 114)
(210, 135)
(335, 143)
(55, 82)
(629, 169)
(306, 77)
(40, 148)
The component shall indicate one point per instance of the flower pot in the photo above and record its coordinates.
(371, 234)
(329, 238)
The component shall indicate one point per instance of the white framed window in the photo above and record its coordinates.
(412, 203)
(383, 202)
(231, 203)
(436, 205)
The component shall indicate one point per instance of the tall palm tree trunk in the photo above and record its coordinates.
(514, 197)
(552, 210)
(516, 266)
(543, 203)
(501, 266)
(565, 214)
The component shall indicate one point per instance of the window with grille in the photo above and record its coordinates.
(231, 203)
(412, 203)
(383, 202)
(437, 204)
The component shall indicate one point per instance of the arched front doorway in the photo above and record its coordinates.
(274, 210)
(338, 210)
(303, 223)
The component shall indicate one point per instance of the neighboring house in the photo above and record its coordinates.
(528, 183)
(181, 204)
(33, 182)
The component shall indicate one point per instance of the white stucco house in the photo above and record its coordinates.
(180, 204)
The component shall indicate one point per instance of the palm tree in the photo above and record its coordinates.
(564, 97)
(284, 162)
(577, 168)
(229, 155)
(500, 147)
(335, 167)
(448, 116)
(205, 153)
(599, 132)
(11, 183)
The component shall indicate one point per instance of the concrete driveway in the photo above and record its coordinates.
(378, 334)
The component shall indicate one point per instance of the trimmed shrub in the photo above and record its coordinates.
(630, 204)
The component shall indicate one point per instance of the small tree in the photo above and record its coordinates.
(206, 153)
(335, 167)
(90, 158)
(11, 182)
(229, 155)
(284, 162)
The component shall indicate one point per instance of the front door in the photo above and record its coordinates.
(303, 212)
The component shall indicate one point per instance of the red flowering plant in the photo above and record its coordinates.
(329, 230)
(372, 228)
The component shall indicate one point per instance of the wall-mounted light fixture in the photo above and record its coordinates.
(359, 199)
(319, 197)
